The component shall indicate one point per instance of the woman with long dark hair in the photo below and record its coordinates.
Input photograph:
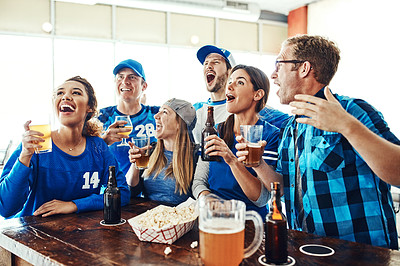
(70, 177)
(246, 92)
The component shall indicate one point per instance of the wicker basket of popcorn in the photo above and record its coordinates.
(164, 224)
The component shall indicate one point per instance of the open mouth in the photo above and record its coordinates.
(66, 108)
(123, 90)
(210, 77)
(229, 97)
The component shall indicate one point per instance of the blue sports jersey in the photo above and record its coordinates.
(143, 124)
(223, 183)
(58, 175)
(273, 116)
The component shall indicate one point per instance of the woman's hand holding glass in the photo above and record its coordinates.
(139, 152)
(31, 141)
(134, 152)
(241, 145)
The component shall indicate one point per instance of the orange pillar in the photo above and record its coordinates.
(297, 21)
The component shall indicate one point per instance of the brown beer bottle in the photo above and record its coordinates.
(207, 131)
(275, 229)
(112, 200)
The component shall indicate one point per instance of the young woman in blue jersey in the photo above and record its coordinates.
(171, 165)
(246, 92)
(70, 177)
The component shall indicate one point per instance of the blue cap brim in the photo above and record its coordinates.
(204, 51)
(123, 65)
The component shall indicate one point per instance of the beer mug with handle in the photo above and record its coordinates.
(222, 226)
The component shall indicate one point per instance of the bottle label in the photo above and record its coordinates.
(112, 200)
(204, 156)
(112, 206)
(276, 241)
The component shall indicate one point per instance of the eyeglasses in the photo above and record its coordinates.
(131, 77)
(277, 62)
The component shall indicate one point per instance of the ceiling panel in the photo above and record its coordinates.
(279, 6)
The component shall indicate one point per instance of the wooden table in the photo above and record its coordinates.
(79, 239)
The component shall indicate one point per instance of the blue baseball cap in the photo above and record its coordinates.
(132, 64)
(204, 51)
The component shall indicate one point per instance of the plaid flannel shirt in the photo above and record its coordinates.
(342, 196)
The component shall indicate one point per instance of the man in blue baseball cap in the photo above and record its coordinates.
(217, 62)
(130, 83)
(206, 50)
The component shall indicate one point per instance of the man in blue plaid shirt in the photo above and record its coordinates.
(329, 189)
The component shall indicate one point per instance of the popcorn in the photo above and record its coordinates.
(194, 244)
(164, 224)
(167, 250)
(164, 216)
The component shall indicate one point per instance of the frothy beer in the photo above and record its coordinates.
(255, 153)
(222, 244)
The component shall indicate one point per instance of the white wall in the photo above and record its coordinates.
(27, 64)
(367, 33)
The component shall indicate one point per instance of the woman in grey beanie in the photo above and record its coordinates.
(171, 165)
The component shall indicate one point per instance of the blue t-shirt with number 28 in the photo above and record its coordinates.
(143, 124)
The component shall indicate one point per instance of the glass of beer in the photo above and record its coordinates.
(143, 143)
(128, 125)
(43, 127)
(252, 135)
(222, 226)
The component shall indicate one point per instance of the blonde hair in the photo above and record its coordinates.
(182, 165)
